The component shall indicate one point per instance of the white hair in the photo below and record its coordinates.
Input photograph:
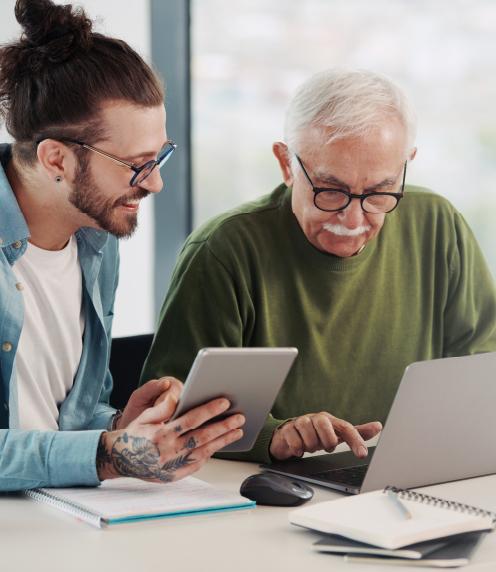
(347, 103)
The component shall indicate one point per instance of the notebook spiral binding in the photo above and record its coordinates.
(423, 498)
(69, 507)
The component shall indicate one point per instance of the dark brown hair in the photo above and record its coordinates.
(54, 79)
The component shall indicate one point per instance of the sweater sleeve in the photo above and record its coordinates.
(207, 305)
(204, 307)
(470, 313)
(260, 451)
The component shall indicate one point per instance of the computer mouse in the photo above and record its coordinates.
(275, 490)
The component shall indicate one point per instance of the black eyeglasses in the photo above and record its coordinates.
(141, 172)
(332, 200)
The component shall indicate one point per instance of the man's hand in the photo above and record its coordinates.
(151, 393)
(155, 449)
(316, 431)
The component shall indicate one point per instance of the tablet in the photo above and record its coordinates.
(249, 377)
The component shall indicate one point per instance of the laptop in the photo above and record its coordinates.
(440, 428)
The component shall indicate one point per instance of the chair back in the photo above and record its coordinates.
(127, 357)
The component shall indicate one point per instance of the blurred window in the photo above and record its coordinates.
(249, 56)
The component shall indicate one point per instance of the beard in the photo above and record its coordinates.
(91, 200)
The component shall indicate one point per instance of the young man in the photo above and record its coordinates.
(328, 264)
(88, 121)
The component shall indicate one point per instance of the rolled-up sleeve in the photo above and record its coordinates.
(30, 459)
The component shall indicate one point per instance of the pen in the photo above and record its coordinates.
(397, 501)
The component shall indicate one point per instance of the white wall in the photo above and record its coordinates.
(134, 312)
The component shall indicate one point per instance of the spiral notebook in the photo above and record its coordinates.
(124, 500)
(375, 518)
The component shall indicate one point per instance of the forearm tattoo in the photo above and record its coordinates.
(139, 457)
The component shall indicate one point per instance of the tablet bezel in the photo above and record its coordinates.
(250, 378)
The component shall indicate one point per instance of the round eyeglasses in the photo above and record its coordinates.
(332, 200)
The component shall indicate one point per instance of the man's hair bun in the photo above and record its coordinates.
(56, 76)
(51, 33)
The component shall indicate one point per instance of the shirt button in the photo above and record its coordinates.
(5, 406)
(17, 244)
(6, 346)
(20, 286)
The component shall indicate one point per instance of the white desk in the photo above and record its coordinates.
(38, 538)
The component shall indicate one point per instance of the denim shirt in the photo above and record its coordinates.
(66, 457)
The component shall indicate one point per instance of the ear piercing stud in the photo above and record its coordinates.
(58, 178)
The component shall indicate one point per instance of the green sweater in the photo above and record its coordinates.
(419, 290)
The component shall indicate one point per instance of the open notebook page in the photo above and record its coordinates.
(123, 499)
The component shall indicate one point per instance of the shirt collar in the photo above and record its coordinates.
(13, 226)
(95, 238)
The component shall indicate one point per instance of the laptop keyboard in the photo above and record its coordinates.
(348, 475)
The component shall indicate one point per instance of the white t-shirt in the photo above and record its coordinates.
(51, 340)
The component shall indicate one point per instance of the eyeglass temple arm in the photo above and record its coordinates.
(404, 178)
(114, 159)
(307, 176)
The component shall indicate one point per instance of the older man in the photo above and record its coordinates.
(363, 275)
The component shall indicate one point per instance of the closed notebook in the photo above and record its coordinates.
(123, 500)
(334, 544)
(453, 554)
(375, 519)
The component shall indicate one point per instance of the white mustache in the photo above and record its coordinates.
(340, 230)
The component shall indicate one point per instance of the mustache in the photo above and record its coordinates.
(341, 230)
(136, 196)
